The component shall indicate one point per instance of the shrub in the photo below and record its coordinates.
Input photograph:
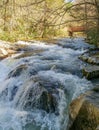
(93, 36)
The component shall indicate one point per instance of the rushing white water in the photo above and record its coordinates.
(36, 89)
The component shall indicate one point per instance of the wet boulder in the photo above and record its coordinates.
(40, 95)
(87, 118)
(6, 49)
(48, 102)
(96, 89)
(91, 71)
(91, 56)
(3, 53)
(49, 99)
(84, 112)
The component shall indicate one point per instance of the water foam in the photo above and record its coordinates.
(55, 71)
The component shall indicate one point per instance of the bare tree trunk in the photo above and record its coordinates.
(44, 20)
(86, 20)
(4, 18)
(5, 15)
(97, 9)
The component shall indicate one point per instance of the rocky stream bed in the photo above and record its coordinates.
(46, 86)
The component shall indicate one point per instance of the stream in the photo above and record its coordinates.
(39, 82)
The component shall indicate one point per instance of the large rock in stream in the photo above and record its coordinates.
(91, 71)
(84, 111)
(6, 49)
(91, 58)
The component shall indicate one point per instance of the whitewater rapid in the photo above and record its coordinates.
(39, 82)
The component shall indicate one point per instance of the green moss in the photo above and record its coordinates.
(96, 89)
(87, 119)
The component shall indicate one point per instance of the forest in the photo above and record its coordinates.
(32, 19)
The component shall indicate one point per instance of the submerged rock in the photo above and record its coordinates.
(16, 72)
(48, 102)
(39, 95)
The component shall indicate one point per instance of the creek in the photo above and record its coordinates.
(39, 82)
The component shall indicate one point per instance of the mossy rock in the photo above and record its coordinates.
(91, 56)
(96, 89)
(84, 112)
(91, 72)
(87, 118)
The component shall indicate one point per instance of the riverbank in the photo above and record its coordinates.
(84, 111)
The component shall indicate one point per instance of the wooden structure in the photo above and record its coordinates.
(72, 29)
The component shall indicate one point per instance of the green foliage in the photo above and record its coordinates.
(6, 36)
(29, 19)
(15, 36)
(69, 4)
(24, 20)
(93, 36)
